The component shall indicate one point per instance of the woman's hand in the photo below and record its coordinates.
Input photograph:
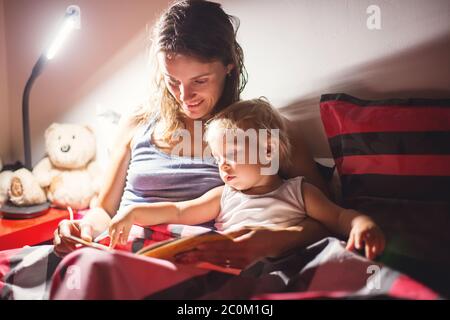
(120, 226)
(78, 228)
(248, 245)
(365, 231)
(242, 249)
(93, 223)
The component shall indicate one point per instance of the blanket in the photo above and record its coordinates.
(322, 270)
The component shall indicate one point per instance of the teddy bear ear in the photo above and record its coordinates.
(89, 128)
(49, 130)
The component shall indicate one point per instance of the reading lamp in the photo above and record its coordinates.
(72, 21)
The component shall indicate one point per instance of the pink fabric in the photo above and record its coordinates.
(323, 270)
(407, 288)
(105, 275)
(5, 264)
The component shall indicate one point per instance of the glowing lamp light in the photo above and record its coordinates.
(68, 26)
(72, 21)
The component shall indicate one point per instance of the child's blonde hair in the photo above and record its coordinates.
(252, 114)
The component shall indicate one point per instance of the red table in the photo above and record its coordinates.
(18, 233)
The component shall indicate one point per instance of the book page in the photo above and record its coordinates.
(170, 248)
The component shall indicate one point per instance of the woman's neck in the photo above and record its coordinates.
(196, 131)
(190, 124)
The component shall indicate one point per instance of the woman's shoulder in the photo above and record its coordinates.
(137, 115)
(302, 162)
(128, 125)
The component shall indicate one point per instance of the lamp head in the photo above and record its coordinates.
(74, 12)
(72, 20)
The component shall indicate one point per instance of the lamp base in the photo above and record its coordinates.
(10, 211)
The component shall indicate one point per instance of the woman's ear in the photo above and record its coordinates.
(229, 67)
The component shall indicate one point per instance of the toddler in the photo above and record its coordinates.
(249, 142)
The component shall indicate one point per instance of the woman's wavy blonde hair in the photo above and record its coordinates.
(200, 29)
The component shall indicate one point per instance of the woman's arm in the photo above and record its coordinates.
(115, 177)
(302, 162)
(283, 240)
(97, 219)
(114, 180)
(252, 244)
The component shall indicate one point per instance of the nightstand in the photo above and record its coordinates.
(16, 233)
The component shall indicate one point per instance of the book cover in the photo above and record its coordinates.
(169, 249)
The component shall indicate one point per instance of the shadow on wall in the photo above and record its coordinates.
(419, 72)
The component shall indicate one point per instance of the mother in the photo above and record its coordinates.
(199, 70)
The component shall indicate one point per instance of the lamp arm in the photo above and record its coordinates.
(37, 70)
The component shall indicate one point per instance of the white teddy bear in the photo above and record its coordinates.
(69, 174)
(12, 189)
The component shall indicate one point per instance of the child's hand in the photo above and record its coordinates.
(120, 227)
(366, 231)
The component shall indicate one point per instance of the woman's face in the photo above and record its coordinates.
(197, 86)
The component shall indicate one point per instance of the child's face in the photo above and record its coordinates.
(236, 168)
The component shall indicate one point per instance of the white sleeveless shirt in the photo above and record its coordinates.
(283, 207)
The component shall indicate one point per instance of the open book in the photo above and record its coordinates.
(169, 249)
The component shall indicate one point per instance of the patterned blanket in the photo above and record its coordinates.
(322, 270)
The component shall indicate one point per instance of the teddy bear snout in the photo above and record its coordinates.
(65, 148)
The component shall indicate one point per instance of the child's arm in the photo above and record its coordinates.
(196, 211)
(358, 227)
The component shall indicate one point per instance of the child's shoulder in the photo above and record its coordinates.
(295, 180)
(292, 188)
(292, 184)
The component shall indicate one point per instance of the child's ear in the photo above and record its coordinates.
(272, 147)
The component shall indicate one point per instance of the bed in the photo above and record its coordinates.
(392, 160)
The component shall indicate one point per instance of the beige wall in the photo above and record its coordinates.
(100, 66)
(295, 50)
(5, 141)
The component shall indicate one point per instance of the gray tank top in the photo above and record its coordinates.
(155, 176)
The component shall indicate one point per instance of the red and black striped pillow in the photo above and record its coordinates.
(397, 148)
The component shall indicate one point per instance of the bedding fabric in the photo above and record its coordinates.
(323, 270)
(390, 148)
(417, 235)
(393, 160)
